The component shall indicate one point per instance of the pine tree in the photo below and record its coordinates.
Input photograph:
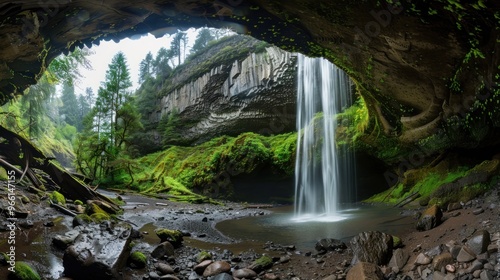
(202, 39)
(69, 108)
(146, 68)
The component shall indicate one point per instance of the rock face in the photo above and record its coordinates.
(255, 93)
(98, 252)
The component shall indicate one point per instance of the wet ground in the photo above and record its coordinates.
(242, 230)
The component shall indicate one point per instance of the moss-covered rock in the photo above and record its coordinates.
(138, 260)
(57, 198)
(78, 202)
(172, 236)
(23, 271)
(203, 256)
(262, 263)
(81, 219)
(100, 217)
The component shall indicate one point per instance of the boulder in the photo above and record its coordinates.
(261, 264)
(216, 268)
(164, 268)
(244, 273)
(364, 270)
(163, 249)
(200, 268)
(222, 276)
(171, 235)
(98, 253)
(430, 218)
(371, 246)
(330, 244)
(399, 259)
(479, 242)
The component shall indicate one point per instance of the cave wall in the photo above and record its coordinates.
(417, 64)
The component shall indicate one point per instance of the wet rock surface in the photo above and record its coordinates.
(98, 252)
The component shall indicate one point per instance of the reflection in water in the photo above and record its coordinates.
(281, 227)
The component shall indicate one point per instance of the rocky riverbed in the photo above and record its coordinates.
(160, 239)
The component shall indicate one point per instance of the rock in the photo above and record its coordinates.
(486, 275)
(200, 268)
(262, 263)
(438, 250)
(164, 268)
(478, 211)
(450, 268)
(271, 276)
(137, 260)
(423, 259)
(399, 259)
(430, 218)
(454, 206)
(203, 255)
(216, 267)
(222, 276)
(364, 270)
(163, 249)
(441, 261)
(168, 277)
(330, 244)
(372, 246)
(98, 253)
(438, 275)
(172, 236)
(479, 242)
(63, 241)
(331, 277)
(81, 220)
(475, 266)
(244, 273)
(465, 255)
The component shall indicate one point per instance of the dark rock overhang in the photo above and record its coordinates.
(430, 58)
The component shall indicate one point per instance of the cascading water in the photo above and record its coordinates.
(323, 172)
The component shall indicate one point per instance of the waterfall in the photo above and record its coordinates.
(323, 172)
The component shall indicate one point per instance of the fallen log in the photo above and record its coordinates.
(70, 187)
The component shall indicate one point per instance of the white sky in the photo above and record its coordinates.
(135, 50)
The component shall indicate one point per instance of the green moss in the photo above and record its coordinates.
(82, 219)
(264, 261)
(93, 208)
(207, 168)
(203, 255)
(78, 202)
(24, 271)
(397, 242)
(138, 259)
(100, 217)
(172, 236)
(57, 198)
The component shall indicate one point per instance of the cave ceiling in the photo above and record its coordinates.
(415, 63)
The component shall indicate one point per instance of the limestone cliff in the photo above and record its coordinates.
(255, 92)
